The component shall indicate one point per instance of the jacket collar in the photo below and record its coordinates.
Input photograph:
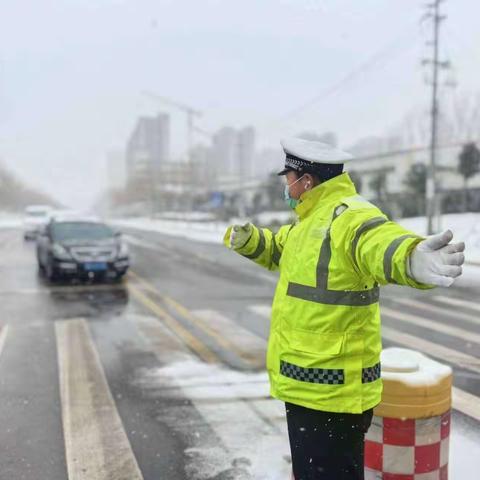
(327, 192)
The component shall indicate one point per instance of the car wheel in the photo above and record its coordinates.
(51, 274)
(41, 269)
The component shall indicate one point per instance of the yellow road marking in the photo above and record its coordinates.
(190, 340)
(96, 445)
(198, 322)
(251, 347)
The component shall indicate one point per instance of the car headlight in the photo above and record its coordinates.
(60, 252)
(123, 250)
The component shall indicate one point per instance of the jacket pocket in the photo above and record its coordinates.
(317, 344)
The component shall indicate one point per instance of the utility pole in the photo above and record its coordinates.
(433, 201)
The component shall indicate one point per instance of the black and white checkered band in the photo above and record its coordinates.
(312, 375)
(371, 374)
(291, 161)
(299, 164)
(326, 376)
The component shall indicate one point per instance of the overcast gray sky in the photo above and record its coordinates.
(72, 73)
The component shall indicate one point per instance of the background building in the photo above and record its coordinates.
(148, 146)
(233, 153)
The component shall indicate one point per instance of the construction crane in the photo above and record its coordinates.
(190, 112)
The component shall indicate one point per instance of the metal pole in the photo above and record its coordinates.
(431, 188)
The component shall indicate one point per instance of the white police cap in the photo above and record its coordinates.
(310, 155)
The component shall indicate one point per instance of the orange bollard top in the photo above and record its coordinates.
(414, 385)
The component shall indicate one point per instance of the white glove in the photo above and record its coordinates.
(240, 235)
(436, 261)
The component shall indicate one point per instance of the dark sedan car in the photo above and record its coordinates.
(81, 248)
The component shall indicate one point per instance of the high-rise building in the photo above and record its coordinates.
(233, 152)
(246, 152)
(148, 146)
(224, 151)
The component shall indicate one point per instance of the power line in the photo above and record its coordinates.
(379, 58)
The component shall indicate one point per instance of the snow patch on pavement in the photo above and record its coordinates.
(250, 428)
(464, 450)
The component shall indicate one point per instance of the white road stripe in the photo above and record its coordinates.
(457, 302)
(96, 445)
(3, 337)
(459, 359)
(261, 310)
(466, 403)
(247, 345)
(436, 309)
(419, 321)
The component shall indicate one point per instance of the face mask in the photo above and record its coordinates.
(291, 202)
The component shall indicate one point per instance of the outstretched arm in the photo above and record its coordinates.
(392, 254)
(260, 245)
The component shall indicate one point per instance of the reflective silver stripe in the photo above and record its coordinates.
(312, 375)
(368, 225)
(321, 293)
(276, 252)
(388, 256)
(260, 247)
(349, 298)
(326, 253)
(370, 374)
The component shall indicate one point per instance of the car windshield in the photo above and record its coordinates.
(68, 231)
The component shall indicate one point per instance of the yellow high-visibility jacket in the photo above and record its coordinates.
(325, 340)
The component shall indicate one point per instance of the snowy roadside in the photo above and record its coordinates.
(7, 220)
(209, 232)
(465, 226)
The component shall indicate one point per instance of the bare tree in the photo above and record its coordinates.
(464, 117)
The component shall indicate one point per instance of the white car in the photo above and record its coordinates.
(35, 218)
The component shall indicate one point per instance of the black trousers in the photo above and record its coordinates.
(325, 445)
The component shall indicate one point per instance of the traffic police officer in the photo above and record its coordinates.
(324, 347)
